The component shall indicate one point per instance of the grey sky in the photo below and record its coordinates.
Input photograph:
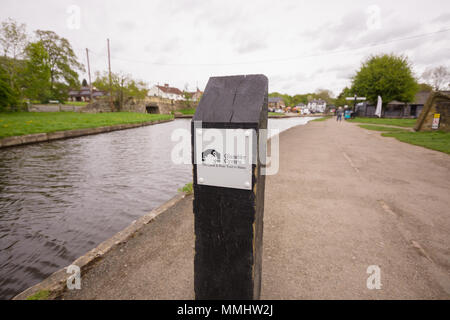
(300, 45)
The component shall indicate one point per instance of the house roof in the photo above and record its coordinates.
(420, 98)
(395, 102)
(171, 90)
(275, 99)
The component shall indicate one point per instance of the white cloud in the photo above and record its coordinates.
(328, 39)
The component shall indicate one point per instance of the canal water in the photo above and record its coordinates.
(60, 199)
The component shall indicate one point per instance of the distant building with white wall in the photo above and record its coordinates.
(317, 106)
(166, 92)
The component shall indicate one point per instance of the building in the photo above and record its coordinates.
(317, 106)
(276, 103)
(302, 108)
(84, 94)
(396, 109)
(196, 95)
(166, 92)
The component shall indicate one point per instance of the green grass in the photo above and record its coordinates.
(22, 123)
(439, 140)
(40, 295)
(276, 114)
(381, 128)
(187, 189)
(408, 123)
(187, 111)
(323, 118)
(76, 103)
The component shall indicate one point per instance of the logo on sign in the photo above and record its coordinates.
(210, 156)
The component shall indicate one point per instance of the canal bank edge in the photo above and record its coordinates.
(58, 135)
(56, 283)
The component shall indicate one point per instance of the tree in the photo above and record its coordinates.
(425, 87)
(63, 62)
(123, 87)
(388, 76)
(37, 73)
(7, 96)
(325, 95)
(438, 78)
(13, 40)
(341, 99)
(84, 83)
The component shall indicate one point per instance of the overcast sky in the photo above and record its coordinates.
(300, 45)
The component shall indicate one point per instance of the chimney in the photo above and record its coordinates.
(166, 85)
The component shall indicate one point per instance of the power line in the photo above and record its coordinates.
(280, 59)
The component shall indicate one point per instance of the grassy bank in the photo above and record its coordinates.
(323, 118)
(187, 111)
(22, 123)
(382, 128)
(438, 140)
(407, 123)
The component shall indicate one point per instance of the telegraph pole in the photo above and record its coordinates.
(89, 73)
(110, 82)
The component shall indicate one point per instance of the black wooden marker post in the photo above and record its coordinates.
(228, 195)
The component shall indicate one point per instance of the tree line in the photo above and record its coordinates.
(387, 75)
(43, 66)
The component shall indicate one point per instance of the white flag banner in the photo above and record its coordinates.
(379, 104)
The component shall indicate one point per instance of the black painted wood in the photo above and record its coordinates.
(229, 222)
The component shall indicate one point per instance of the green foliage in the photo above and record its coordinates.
(325, 95)
(425, 87)
(62, 60)
(382, 128)
(40, 295)
(409, 123)
(123, 87)
(8, 97)
(13, 39)
(36, 77)
(322, 119)
(21, 123)
(439, 140)
(292, 101)
(388, 76)
(341, 99)
(187, 189)
(42, 70)
(187, 111)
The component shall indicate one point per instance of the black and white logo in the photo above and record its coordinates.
(210, 156)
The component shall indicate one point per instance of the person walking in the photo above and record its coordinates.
(339, 114)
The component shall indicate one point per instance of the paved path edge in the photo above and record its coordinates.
(56, 283)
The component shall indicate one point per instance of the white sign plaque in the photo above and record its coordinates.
(435, 124)
(224, 157)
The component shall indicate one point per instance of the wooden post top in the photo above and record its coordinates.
(233, 99)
